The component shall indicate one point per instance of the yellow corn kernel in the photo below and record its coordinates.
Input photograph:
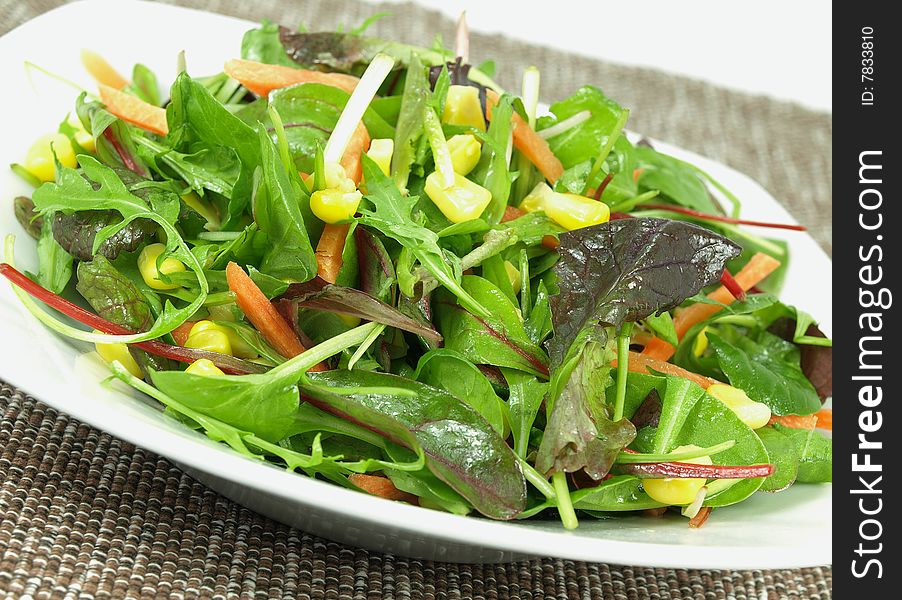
(461, 202)
(701, 342)
(349, 320)
(513, 275)
(334, 206)
(337, 178)
(203, 366)
(462, 107)
(240, 348)
(752, 413)
(207, 335)
(381, 151)
(465, 152)
(570, 211)
(83, 137)
(203, 208)
(39, 158)
(111, 352)
(147, 265)
(674, 491)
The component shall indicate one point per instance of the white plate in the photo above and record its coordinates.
(790, 529)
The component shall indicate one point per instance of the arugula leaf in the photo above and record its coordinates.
(392, 217)
(662, 326)
(451, 371)
(317, 294)
(492, 170)
(207, 167)
(289, 254)
(410, 122)
(76, 193)
(628, 269)
(766, 368)
(496, 340)
(460, 447)
(54, 263)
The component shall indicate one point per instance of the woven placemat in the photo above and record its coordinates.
(84, 515)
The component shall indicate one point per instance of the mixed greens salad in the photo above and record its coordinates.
(366, 262)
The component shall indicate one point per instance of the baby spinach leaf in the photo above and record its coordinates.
(144, 85)
(582, 142)
(495, 340)
(492, 171)
(449, 370)
(207, 167)
(619, 493)
(317, 294)
(431, 491)
(75, 233)
(263, 45)
(194, 115)
(526, 394)
(767, 369)
(628, 269)
(815, 453)
(677, 181)
(309, 112)
(662, 326)
(783, 455)
(687, 415)
(30, 220)
(112, 295)
(460, 447)
(54, 263)
(289, 254)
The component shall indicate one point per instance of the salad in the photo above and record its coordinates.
(367, 263)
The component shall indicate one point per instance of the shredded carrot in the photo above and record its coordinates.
(530, 143)
(825, 418)
(261, 78)
(102, 71)
(512, 212)
(261, 313)
(639, 363)
(637, 173)
(180, 333)
(134, 110)
(700, 517)
(351, 159)
(329, 250)
(760, 266)
(796, 421)
(378, 485)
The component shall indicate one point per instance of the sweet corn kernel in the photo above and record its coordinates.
(82, 137)
(239, 347)
(335, 206)
(465, 152)
(207, 335)
(754, 414)
(203, 366)
(461, 202)
(462, 107)
(337, 178)
(147, 265)
(513, 275)
(39, 158)
(381, 151)
(570, 211)
(701, 342)
(674, 491)
(111, 352)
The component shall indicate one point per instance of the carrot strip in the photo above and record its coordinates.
(329, 249)
(378, 485)
(530, 143)
(351, 159)
(760, 266)
(134, 110)
(639, 363)
(180, 333)
(512, 212)
(102, 71)
(260, 311)
(825, 418)
(700, 517)
(797, 421)
(261, 78)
